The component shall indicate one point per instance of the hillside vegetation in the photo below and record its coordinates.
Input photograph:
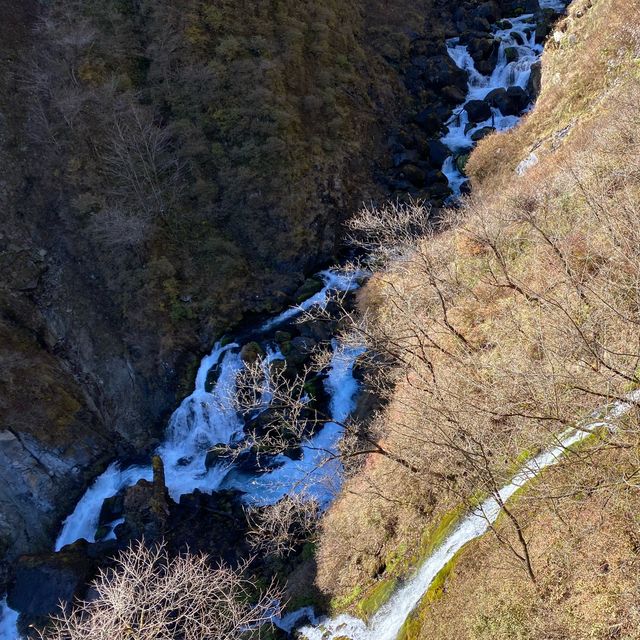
(515, 321)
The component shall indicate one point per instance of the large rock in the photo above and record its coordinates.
(511, 102)
(484, 51)
(44, 581)
(478, 110)
(438, 153)
(441, 71)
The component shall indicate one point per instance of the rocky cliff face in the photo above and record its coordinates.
(168, 170)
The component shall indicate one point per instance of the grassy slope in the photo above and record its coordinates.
(565, 234)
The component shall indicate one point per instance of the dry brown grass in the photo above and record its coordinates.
(517, 321)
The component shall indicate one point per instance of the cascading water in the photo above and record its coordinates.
(8, 622)
(387, 622)
(519, 40)
(209, 417)
(316, 473)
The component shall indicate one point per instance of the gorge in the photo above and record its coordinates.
(208, 416)
(499, 325)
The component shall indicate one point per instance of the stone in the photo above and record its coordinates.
(441, 71)
(428, 121)
(251, 352)
(438, 153)
(413, 174)
(112, 509)
(511, 54)
(461, 162)
(476, 136)
(511, 102)
(405, 157)
(453, 95)
(478, 110)
(310, 287)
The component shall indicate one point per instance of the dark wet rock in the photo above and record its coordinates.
(146, 506)
(212, 377)
(413, 174)
(465, 188)
(428, 121)
(478, 110)
(535, 80)
(511, 54)
(310, 287)
(318, 330)
(461, 162)
(490, 11)
(480, 24)
(453, 95)
(251, 352)
(476, 136)
(405, 157)
(102, 532)
(504, 24)
(511, 102)
(282, 336)
(112, 509)
(484, 51)
(441, 71)
(438, 153)
(42, 581)
(517, 36)
(299, 351)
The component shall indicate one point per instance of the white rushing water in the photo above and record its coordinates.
(387, 622)
(209, 417)
(317, 472)
(518, 38)
(8, 621)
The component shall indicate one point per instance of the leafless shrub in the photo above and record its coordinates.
(150, 595)
(389, 232)
(280, 528)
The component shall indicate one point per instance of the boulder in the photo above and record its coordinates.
(438, 153)
(112, 509)
(428, 121)
(511, 102)
(251, 352)
(535, 80)
(511, 54)
(441, 71)
(405, 157)
(453, 95)
(478, 110)
(484, 51)
(490, 11)
(476, 136)
(310, 287)
(413, 174)
(461, 162)
(45, 580)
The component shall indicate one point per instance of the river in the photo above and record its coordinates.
(208, 416)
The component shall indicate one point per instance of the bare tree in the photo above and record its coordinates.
(150, 595)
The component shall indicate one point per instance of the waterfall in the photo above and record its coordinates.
(514, 73)
(387, 622)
